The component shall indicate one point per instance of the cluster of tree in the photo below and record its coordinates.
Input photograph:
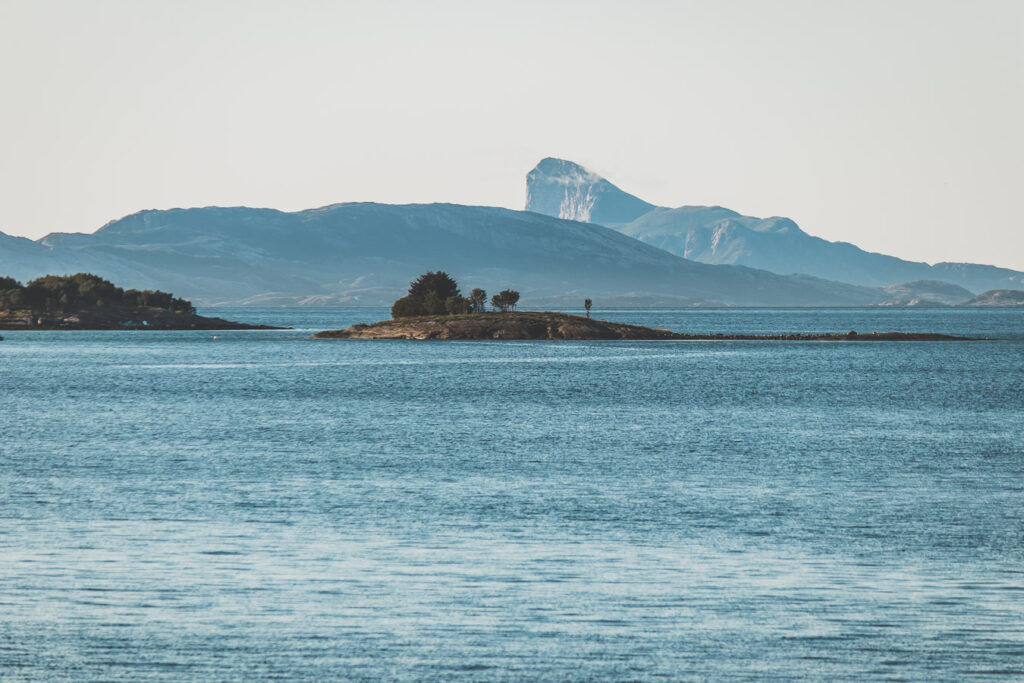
(505, 300)
(63, 294)
(436, 293)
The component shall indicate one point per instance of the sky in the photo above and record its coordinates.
(893, 125)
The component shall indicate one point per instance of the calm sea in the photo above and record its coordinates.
(259, 504)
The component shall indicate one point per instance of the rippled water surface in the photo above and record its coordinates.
(175, 506)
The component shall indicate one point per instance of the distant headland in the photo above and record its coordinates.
(88, 302)
(435, 309)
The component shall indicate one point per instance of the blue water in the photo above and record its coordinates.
(175, 506)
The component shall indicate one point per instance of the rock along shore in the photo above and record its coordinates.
(541, 325)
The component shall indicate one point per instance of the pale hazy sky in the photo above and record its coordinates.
(898, 126)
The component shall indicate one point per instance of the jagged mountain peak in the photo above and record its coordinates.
(565, 189)
(563, 170)
(716, 235)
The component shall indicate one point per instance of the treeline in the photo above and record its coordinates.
(64, 294)
(436, 293)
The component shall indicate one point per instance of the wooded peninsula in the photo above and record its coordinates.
(88, 302)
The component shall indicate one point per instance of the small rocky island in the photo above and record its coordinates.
(435, 309)
(553, 326)
(88, 302)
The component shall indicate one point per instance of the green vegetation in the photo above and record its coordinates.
(505, 300)
(430, 294)
(440, 283)
(436, 293)
(456, 305)
(66, 294)
(477, 301)
(587, 303)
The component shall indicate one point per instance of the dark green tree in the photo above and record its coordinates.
(407, 307)
(439, 282)
(433, 293)
(10, 293)
(82, 291)
(587, 303)
(456, 305)
(505, 300)
(177, 304)
(12, 299)
(477, 300)
(433, 304)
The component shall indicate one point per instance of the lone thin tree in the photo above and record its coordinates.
(587, 303)
(477, 300)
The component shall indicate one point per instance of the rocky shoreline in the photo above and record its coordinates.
(118, 318)
(543, 325)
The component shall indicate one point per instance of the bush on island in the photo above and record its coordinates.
(407, 306)
(456, 305)
(505, 300)
(436, 293)
(433, 304)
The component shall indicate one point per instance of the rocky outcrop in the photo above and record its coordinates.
(544, 325)
(512, 325)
